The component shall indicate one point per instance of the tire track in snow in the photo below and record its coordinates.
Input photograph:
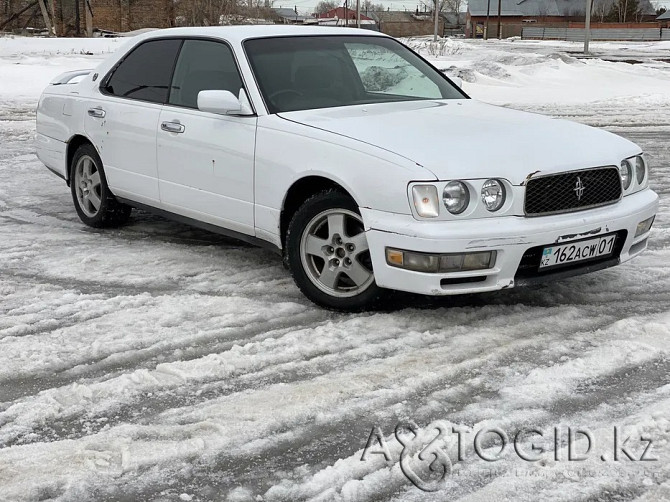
(339, 356)
(112, 361)
(288, 366)
(584, 409)
(507, 348)
(253, 455)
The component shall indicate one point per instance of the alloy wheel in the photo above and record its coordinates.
(88, 186)
(335, 255)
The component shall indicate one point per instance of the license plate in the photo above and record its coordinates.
(572, 252)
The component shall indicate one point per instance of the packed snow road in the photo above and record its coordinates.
(159, 362)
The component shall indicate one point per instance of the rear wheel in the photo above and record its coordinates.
(328, 254)
(95, 204)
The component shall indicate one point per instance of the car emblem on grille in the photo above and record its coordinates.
(579, 188)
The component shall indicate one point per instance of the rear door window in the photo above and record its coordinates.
(145, 73)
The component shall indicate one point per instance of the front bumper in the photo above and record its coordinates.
(511, 236)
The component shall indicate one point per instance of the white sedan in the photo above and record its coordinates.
(362, 164)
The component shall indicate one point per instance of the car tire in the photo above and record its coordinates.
(327, 253)
(95, 204)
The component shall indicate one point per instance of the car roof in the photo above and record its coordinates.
(243, 32)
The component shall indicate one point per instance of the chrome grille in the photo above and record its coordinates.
(572, 191)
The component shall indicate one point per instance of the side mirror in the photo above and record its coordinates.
(458, 81)
(219, 102)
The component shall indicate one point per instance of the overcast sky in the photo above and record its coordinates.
(307, 6)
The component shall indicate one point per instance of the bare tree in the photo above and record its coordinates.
(443, 6)
(625, 11)
(452, 6)
(205, 12)
(324, 6)
(215, 12)
(367, 6)
(599, 9)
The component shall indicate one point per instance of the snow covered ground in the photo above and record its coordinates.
(159, 362)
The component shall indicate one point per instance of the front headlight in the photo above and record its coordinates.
(493, 194)
(626, 172)
(456, 197)
(426, 201)
(640, 169)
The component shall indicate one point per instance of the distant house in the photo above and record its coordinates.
(515, 13)
(664, 19)
(454, 22)
(345, 17)
(512, 13)
(408, 23)
(289, 16)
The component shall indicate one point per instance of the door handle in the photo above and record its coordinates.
(98, 112)
(173, 127)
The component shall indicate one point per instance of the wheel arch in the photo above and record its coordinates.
(72, 145)
(301, 190)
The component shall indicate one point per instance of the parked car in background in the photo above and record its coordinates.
(366, 167)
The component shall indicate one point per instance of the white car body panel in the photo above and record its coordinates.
(126, 141)
(52, 153)
(445, 135)
(234, 172)
(314, 152)
(219, 180)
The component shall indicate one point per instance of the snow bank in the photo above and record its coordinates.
(527, 73)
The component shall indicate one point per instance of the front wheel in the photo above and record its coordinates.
(328, 254)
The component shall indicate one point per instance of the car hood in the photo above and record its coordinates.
(469, 139)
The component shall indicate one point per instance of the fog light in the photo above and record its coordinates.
(644, 226)
(451, 262)
(433, 263)
(478, 261)
(420, 262)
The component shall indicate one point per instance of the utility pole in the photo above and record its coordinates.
(587, 27)
(358, 13)
(437, 17)
(499, 20)
(486, 27)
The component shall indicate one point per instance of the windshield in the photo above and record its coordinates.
(307, 72)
